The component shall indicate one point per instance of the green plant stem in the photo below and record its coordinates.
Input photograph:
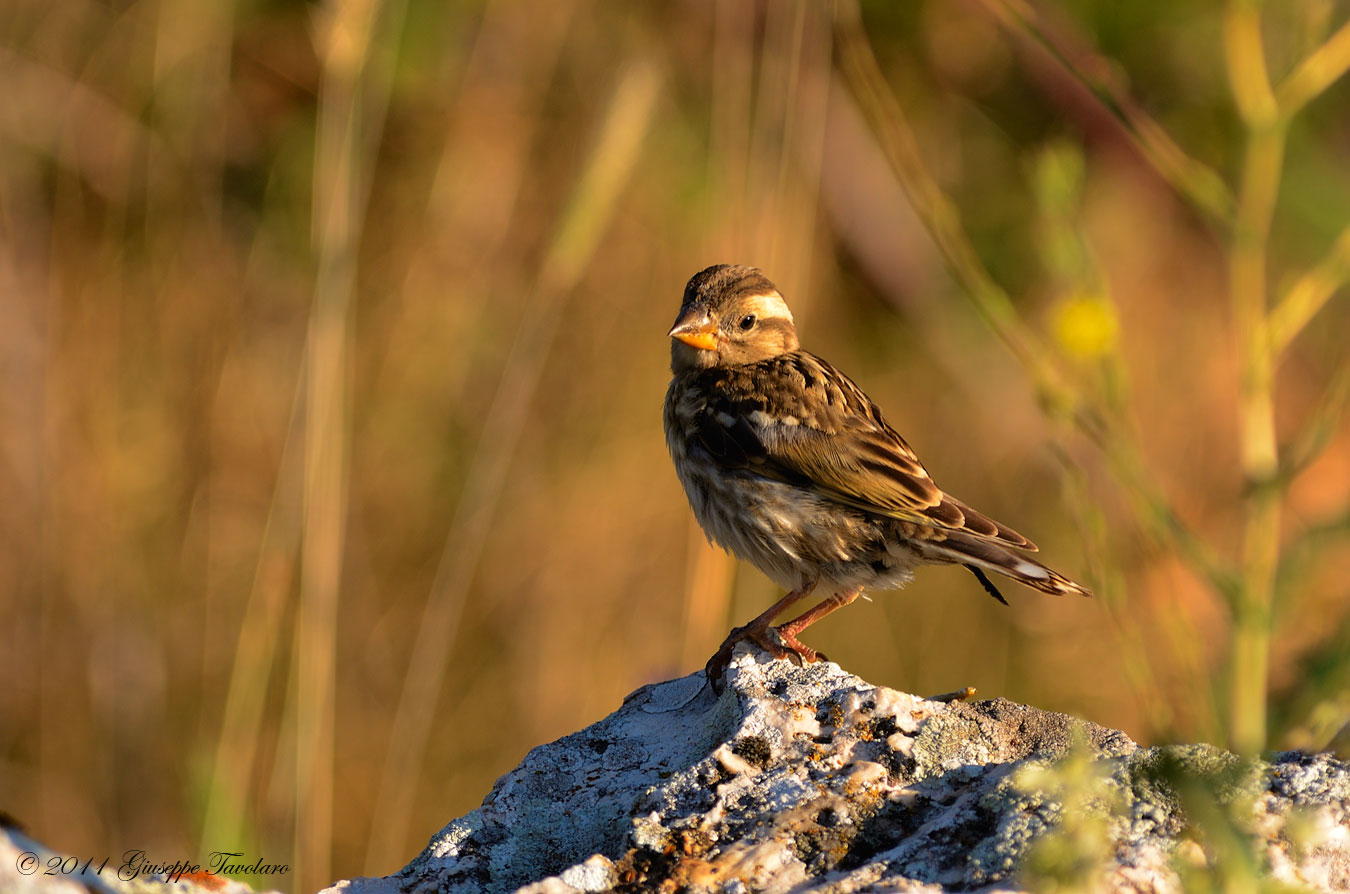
(1322, 68)
(1062, 400)
(1262, 165)
(1317, 432)
(351, 37)
(1199, 183)
(938, 213)
(1309, 294)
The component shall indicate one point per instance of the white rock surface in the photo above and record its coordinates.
(812, 780)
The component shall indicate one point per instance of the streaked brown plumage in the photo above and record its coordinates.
(789, 465)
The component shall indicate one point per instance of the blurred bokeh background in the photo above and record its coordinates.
(332, 352)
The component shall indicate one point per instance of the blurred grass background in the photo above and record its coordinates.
(332, 350)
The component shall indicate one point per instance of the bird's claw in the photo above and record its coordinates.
(770, 639)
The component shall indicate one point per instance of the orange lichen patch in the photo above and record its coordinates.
(208, 880)
(757, 865)
(692, 842)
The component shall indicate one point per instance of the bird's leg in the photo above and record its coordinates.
(758, 632)
(788, 632)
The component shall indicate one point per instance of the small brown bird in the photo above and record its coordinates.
(789, 465)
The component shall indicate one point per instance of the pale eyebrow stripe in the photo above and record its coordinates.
(771, 306)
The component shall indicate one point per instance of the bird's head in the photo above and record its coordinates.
(731, 315)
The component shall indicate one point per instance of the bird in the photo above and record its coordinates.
(789, 465)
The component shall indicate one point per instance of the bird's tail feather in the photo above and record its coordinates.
(979, 552)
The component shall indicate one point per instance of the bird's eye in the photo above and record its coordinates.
(747, 322)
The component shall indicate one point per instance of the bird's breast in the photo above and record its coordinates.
(788, 531)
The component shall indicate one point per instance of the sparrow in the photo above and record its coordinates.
(789, 465)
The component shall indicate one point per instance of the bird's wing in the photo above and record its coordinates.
(797, 419)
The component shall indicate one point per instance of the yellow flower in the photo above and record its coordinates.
(1086, 326)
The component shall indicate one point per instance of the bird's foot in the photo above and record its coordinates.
(776, 642)
(795, 650)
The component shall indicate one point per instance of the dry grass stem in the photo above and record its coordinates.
(572, 248)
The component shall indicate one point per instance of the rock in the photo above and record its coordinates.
(808, 779)
(811, 780)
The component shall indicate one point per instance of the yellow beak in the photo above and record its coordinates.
(696, 329)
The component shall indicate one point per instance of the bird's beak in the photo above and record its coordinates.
(696, 329)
